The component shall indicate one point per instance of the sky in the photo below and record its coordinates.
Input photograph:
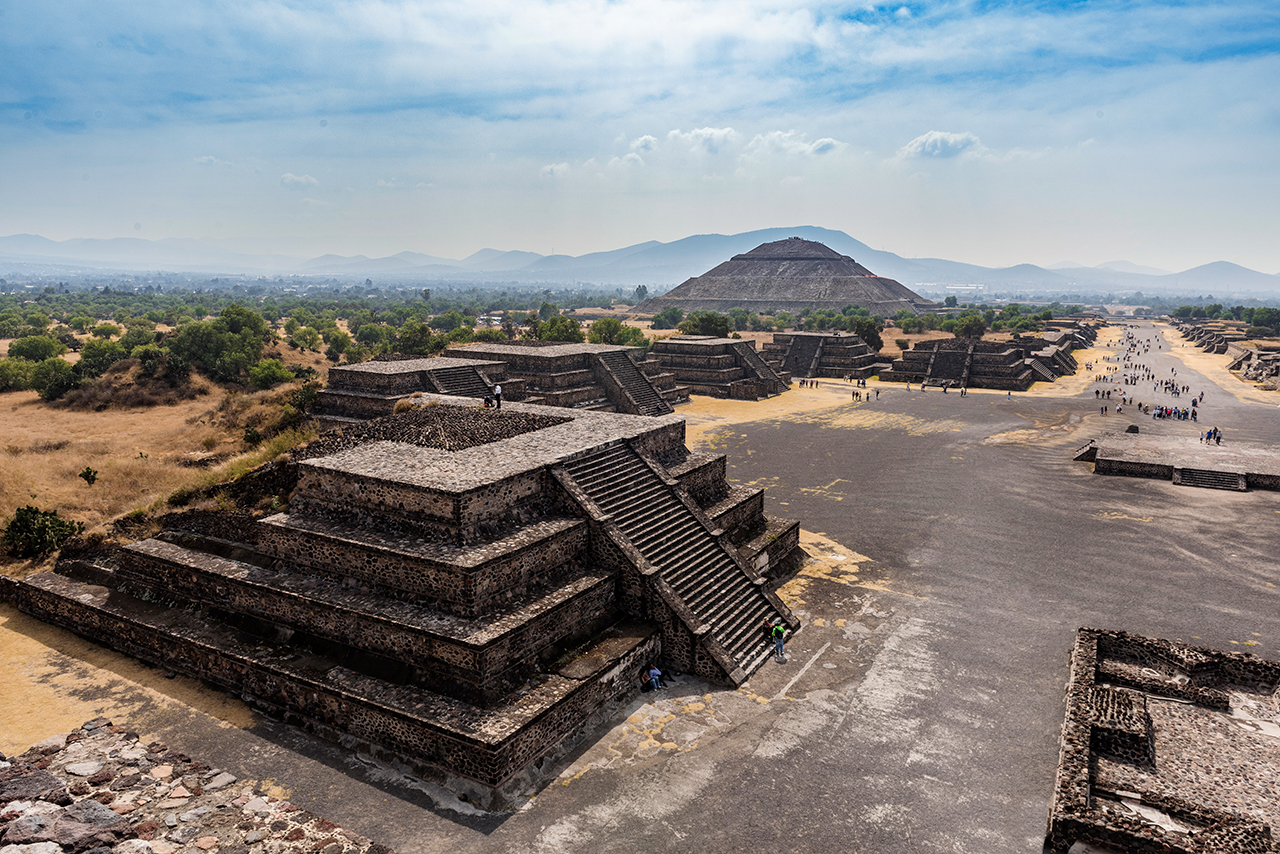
(987, 132)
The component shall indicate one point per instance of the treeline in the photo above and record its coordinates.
(1263, 320)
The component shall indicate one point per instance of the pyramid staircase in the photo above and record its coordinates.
(697, 566)
(752, 358)
(801, 355)
(461, 382)
(646, 398)
(1042, 372)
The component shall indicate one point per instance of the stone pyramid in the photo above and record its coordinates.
(790, 275)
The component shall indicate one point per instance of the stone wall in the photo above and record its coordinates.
(1112, 720)
(347, 706)
(463, 661)
(467, 584)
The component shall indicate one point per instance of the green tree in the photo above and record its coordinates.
(36, 348)
(869, 331)
(268, 372)
(106, 330)
(950, 301)
(642, 293)
(668, 318)
(97, 355)
(53, 378)
(970, 326)
(15, 374)
(610, 330)
(561, 328)
(702, 322)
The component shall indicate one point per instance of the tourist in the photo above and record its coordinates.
(779, 635)
(655, 677)
(497, 396)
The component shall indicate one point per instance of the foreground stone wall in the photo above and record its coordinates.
(1110, 720)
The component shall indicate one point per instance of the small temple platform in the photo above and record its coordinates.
(1233, 465)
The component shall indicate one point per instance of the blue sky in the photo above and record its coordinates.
(993, 133)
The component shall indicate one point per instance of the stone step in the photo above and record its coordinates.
(428, 730)
(477, 659)
(457, 578)
(670, 537)
(1208, 479)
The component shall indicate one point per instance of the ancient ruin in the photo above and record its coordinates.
(789, 275)
(1006, 365)
(1184, 460)
(719, 367)
(598, 377)
(603, 377)
(454, 588)
(370, 389)
(823, 354)
(1135, 773)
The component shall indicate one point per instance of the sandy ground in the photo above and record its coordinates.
(56, 681)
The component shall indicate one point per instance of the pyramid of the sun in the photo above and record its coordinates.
(790, 275)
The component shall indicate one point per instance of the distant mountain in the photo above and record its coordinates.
(1130, 267)
(659, 265)
(1221, 275)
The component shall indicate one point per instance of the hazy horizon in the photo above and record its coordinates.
(989, 134)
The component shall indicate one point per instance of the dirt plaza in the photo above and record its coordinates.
(956, 548)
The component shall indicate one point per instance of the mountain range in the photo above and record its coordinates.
(652, 263)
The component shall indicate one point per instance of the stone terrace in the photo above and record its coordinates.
(455, 588)
(371, 389)
(1167, 748)
(822, 354)
(720, 367)
(1233, 465)
(602, 377)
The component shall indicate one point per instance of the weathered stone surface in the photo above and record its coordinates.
(30, 786)
(220, 781)
(33, 848)
(84, 769)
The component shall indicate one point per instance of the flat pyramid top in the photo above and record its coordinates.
(791, 249)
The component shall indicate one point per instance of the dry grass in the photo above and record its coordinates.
(138, 456)
(142, 456)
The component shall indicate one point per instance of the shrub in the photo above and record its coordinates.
(36, 348)
(560, 328)
(491, 335)
(105, 330)
(90, 476)
(35, 533)
(902, 343)
(97, 355)
(701, 322)
(268, 372)
(668, 318)
(53, 378)
(15, 374)
(608, 330)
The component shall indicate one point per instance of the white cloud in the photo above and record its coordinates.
(297, 182)
(210, 160)
(940, 144)
(555, 170)
(791, 142)
(631, 159)
(644, 143)
(705, 140)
